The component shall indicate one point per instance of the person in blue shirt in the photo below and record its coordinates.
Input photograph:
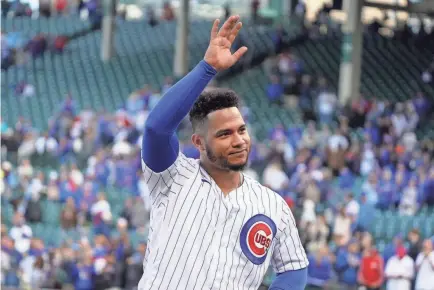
(274, 89)
(320, 269)
(82, 275)
(10, 277)
(386, 190)
(366, 214)
(347, 265)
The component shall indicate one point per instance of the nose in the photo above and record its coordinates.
(238, 140)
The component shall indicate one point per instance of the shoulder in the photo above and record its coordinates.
(273, 196)
(276, 203)
(185, 164)
(182, 165)
(419, 257)
(409, 260)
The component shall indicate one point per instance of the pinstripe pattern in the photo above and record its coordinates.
(195, 232)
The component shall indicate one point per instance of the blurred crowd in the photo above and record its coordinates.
(405, 264)
(18, 49)
(94, 151)
(369, 141)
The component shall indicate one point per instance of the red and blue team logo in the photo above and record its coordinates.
(256, 237)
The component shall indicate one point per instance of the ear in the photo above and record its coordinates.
(198, 142)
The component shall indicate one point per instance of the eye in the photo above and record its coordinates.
(242, 130)
(224, 134)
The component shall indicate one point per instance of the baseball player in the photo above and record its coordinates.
(211, 226)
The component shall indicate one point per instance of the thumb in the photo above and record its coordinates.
(239, 53)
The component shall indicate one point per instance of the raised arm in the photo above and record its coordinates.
(160, 146)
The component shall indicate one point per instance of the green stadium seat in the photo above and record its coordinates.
(51, 212)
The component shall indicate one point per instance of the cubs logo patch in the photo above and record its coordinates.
(256, 237)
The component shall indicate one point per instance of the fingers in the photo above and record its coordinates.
(215, 28)
(235, 31)
(239, 53)
(228, 26)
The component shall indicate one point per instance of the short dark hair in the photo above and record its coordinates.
(210, 101)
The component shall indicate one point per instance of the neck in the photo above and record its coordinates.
(227, 180)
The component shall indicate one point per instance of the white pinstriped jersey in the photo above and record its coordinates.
(200, 239)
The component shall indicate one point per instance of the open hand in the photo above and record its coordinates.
(219, 54)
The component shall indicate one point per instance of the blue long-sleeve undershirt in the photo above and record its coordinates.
(290, 280)
(160, 146)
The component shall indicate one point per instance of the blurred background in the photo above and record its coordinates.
(338, 96)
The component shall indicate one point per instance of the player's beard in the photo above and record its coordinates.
(222, 161)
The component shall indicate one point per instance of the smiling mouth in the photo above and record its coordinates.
(238, 152)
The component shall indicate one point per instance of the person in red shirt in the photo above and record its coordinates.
(371, 271)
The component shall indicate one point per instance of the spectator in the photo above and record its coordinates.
(33, 210)
(399, 120)
(386, 190)
(308, 216)
(82, 274)
(427, 74)
(367, 213)
(312, 192)
(425, 267)
(319, 269)
(254, 7)
(68, 217)
(134, 269)
(21, 233)
(352, 207)
(326, 104)
(168, 13)
(347, 265)
(38, 275)
(274, 176)
(310, 137)
(337, 146)
(342, 227)
(227, 8)
(168, 83)
(415, 243)
(32, 264)
(371, 273)
(151, 17)
(105, 273)
(10, 259)
(275, 90)
(25, 170)
(127, 211)
(60, 43)
(315, 234)
(369, 188)
(139, 215)
(399, 270)
(428, 188)
(101, 215)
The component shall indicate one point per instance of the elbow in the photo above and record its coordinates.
(152, 123)
(159, 123)
(159, 149)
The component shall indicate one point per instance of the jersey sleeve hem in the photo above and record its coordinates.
(292, 267)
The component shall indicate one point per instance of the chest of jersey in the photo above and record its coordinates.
(220, 242)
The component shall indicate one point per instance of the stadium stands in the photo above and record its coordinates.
(144, 55)
(391, 69)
